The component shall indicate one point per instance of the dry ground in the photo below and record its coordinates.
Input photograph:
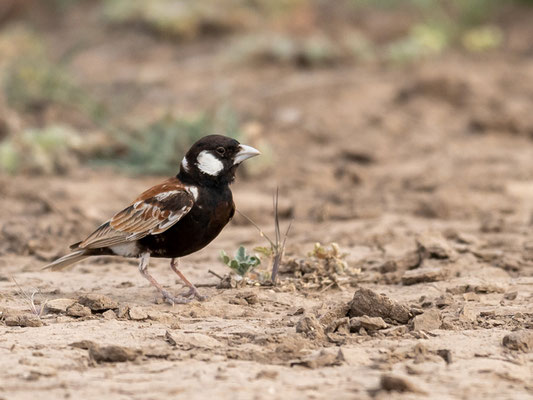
(380, 160)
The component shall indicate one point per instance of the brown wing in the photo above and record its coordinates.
(151, 213)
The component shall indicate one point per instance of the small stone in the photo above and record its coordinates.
(434, 245)
(510, 295)
(123, 311)
(24, 320)
(488, 288)
(424, 275)
(109, 314)
(112, 354)
(58, 306)
(323, 359)
(427, 321)
(369, 323)
(395, 383)
(97, 302)
(468, 314)
(266, 374)
(446, 355)
(519, 340)
(444, 300)
(77, 310)
(84, 344)
(137, 313)
(471, 296)
(368, 302)
(310, 327)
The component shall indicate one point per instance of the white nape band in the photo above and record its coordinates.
(194, 191)
(185, 164)
(208, 163)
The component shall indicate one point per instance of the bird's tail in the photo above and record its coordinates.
(65, 261)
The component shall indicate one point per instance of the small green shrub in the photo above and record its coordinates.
(242, 263)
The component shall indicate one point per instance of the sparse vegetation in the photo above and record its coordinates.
(157, 147)
(242, 263)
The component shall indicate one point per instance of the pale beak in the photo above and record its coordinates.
(245, 153)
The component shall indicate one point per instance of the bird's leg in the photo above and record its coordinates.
(143, 269)
(192, 289)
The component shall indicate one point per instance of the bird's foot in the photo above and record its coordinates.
(174, 300)
(193, 292)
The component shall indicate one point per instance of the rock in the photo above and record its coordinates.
(323, 359)
(519, 340)
(369, 323)
(409, 260)
(444, 300)
(97, 302)
(367, 302)
(468, 314)
(434, 246)
(58, 306)
(310, 327)
(112, 354)
(424, 275)
(24, 320)
(395, 383)
(137, 313)
(169, 339)
(510, 295)
(488, 288)
(446, 355)
(123, 311)
(471, 296)
(109, 314)
(77, 310)
(249, 297)
(192, 340)
(427, 321)
(83, 344)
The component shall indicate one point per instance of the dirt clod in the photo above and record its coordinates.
(137, 313)
(427, 321)
(309, 326)
(322, 359)
(25, 320)
(395, 383)
(424, 275)
(519, 340)
(78, 310)
(368, 302)
(97, 302)
(369, 323)
(58, 305)
(112, 354)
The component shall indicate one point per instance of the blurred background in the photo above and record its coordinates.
(361, 108)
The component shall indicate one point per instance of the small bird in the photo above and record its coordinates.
(175, 218)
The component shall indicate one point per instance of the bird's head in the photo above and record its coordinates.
(214, 159)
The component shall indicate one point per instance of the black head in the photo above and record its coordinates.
(213, 160)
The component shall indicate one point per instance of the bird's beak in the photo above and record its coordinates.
(245, 153)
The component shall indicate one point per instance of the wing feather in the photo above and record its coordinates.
(152, 213)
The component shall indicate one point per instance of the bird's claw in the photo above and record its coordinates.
(174, 300)
(193, 292)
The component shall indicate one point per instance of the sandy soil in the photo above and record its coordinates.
(423, 175)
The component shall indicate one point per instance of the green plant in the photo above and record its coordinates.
(242, 263)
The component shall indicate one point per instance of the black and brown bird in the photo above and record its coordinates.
(175, 218)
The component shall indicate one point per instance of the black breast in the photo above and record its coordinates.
(212, 210)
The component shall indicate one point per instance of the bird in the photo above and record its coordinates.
(174, 218)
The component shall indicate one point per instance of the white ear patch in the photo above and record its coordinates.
(185, 164)
(208, 163)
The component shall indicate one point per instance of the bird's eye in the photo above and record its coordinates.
(221, 150)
